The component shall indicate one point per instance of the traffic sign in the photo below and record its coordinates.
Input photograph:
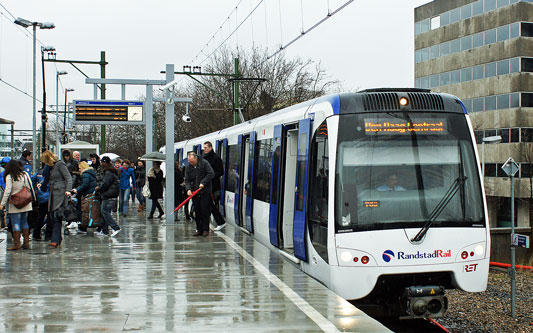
(107, 112)
(510, 167)
(520, 240)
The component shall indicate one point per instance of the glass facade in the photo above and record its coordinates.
(462, 13)
(478, 72)
(469, 42)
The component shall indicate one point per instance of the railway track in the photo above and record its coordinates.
(413, 325)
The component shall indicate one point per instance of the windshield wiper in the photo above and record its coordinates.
(456, 185)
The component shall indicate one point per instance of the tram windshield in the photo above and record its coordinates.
(394, 169)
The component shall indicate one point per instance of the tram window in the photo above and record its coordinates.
(232, 167)
(264, 169)
(300, 191)
(275, 170)
(318, 191)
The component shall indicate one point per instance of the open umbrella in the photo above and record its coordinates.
(112, 156)
(154, 156)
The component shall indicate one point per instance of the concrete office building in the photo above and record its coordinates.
(482, 52)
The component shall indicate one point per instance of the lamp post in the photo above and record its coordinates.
(57, 109)
(67, 90)
(44, 49)
(42, 25)
(487, 140)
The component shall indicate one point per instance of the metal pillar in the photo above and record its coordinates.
(512, 271)
(169, 143)
(34, 134)
(102, 94)
(148, 112)
(236, 105)
(13, 141)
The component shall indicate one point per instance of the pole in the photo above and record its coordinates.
(148, 112)
(102, 94)
(57, 113)
(236, 105)
(65, 121)
(169, 143)
(513, 267)
(34, 133)
(13, 141)
(43, 114)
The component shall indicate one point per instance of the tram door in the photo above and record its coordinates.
(285, 146)
(241, 181)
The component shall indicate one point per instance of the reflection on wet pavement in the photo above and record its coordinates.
(157, 277)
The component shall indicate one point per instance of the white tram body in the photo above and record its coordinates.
(343, 184)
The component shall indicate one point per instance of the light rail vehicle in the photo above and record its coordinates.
(377, 194)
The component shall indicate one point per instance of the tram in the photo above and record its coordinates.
(376, 194)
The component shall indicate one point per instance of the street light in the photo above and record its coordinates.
(57, 109)
(487, 140)
(42, 25)
(48, 49)
(67, 90)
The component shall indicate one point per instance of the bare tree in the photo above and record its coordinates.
(288, 82)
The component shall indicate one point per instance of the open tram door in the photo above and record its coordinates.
(287, 221)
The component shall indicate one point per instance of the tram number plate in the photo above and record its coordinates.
(470, 268)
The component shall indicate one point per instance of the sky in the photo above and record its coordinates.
(367, 44)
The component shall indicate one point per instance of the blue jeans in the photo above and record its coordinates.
(19, 221)
(105, 208)
(124, 199)
(140, 196)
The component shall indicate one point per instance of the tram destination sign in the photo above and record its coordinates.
(108, 112)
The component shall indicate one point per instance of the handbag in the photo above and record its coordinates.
(146, 190)
(22, 197)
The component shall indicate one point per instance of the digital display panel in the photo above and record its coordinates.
(395, 126)
(108, 112)
(371, 204)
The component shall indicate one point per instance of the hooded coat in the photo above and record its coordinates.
(88, 182)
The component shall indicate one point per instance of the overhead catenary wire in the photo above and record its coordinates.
(283, 47)
(233, 32)
(216, 32)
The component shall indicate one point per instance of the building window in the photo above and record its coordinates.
(466, 74)
(478, 40)
(477, 8)
(489, 5)
(466, 12)
(490, 69)
(455, 15)
(502, 101)
(445, 79)
(490, 36)
(444, 49)
(478, 104)
(514, 65)
(527, 64)
(490, 103)
(525, 170)
(502, 3)
(435, 22)
(490, 169)
(455, 77)
(503, 67)
(445, 18)
(455, 46)
(504, 133)
(526, 134)
(527, 100)
(515, 100)
(515, 134)
(515, 30)
(503, 33)
(466, 43)
(527, 29)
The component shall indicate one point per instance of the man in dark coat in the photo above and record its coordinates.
(25, 160)
(155, 183)
(72, 164)
(198, 175)
(109, 190)
(218, 167)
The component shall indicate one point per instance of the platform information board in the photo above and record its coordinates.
(107, 112)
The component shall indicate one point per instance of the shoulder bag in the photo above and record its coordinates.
(22, 197)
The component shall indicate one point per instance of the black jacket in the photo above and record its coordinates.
(140, 176)
(155, 183)
(110, 186)
(218, 167)
(202, 173)
(72, 164)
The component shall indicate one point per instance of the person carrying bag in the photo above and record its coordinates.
(19, 191)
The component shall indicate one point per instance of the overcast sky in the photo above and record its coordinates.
(370, 43)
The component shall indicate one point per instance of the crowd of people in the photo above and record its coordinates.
(68, 189)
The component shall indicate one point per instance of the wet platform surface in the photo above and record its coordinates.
(157, 277)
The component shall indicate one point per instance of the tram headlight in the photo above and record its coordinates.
(419, 307)
(346, 256)
(404, 101)
(479, 250)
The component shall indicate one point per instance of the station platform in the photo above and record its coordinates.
(155, 276)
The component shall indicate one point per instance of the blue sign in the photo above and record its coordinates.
(520, 240)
